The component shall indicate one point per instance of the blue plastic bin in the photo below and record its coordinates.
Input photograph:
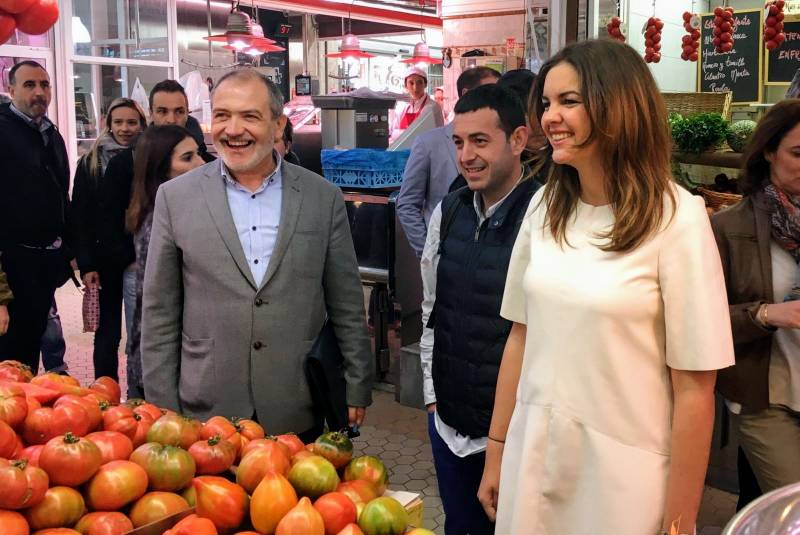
(364, 168)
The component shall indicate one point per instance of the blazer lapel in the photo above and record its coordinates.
(217, 201)
(291, 201)
(451, 147)
(764, 238)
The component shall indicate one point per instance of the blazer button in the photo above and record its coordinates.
(259, 302)
(257, 345)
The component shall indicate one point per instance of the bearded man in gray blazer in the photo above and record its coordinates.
(247, 258)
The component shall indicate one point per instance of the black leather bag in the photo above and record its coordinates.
(324, 368)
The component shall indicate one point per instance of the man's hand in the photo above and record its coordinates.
(355, 415)
(4, 319)
(431, 407)
(91, 280)
(784, 315)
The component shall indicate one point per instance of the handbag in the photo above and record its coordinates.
(324, 369)
(91, 309)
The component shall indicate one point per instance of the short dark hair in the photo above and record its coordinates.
(771, 129)
(275, 95)
(471, 78)
(501, 100)
(12, 74)
(520, 81)
(167, 86)
(288, 132)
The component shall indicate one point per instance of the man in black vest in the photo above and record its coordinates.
(464, 263)
(34, 201)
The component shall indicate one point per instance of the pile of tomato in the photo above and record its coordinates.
(76, 460)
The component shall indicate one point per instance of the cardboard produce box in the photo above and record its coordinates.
(412, 501)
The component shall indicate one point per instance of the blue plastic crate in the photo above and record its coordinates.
(364, 168)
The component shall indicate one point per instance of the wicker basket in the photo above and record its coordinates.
(718, 200)
(692, 103)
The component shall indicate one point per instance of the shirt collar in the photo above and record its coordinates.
(276, 174)
(41, 127)
(477, 201)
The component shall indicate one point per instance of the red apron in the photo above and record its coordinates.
(410, 116)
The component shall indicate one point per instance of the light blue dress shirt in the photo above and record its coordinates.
(257, 216)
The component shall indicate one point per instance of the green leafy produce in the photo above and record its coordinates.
(740, 134)
(700, 132)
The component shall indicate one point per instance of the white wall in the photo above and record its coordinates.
(671, 73)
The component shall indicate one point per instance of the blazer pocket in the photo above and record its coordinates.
(307, 254)
(197, 383)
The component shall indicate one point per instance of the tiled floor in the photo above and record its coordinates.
(395, 433)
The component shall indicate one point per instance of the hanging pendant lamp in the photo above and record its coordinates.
(422, 54)
(258, 44)
(240, 33)
(351, 48)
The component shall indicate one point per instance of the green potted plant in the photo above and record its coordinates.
(698, 133)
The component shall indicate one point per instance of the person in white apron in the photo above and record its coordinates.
(416, 83)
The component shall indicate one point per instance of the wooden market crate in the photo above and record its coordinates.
(692, 103)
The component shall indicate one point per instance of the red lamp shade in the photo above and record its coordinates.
(240, 33)
(350, 48)
(422, 54)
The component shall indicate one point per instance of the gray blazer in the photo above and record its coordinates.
(429, 172)
(215, 344)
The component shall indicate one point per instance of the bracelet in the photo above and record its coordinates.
(766, 315)
(496, 440)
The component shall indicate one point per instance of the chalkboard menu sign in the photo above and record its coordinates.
(739, 70)
(785, 60)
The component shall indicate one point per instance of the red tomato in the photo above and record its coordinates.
(37, 482)
(57, 531)
(168, 468)
(174, 430)
(13, 402)
(108, 387)
(302, 454)
(93, 412)
(351, 529)
(8, 440)
(369, 469)
(40, 394)
(291, 441)
(13, 523)
(77, 417)
(337, 511)
(123, 420)
(70, 460)
(32, 402)
(272, 499)
(248, 428)
(360, 491)
(115, 485)
(113, 446)
(62, 506)
(336, 447)
(254, 465)
(212, 456)
(16, 6)
(154, 506)
(31, 454)
(104, 523)
(258, 443)
(14, 485)
(218, 425)
(101, 399)
(14, 370)
(38, 18)
(193, 525)
(221, 501)
(44, 424)
(313, 477)
(302, 520)
(140, 405)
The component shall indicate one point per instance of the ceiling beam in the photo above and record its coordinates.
(342, 9)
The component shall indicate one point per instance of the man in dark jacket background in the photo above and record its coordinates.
(34, 202)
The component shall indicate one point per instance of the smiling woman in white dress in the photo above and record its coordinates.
(605, 398)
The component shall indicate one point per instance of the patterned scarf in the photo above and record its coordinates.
(785, 220)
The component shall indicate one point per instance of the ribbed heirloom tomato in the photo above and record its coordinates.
(13, 404)
(139, 406)
(383, 516)
(223, 502)
(168, 468)
(212, 456)
(218, 425)
(358, 490)
(369, 469)
(114, 446)
(154, 506)
(13, 523)
(8, 440)
(291, 441)
(62, 506)
(335, 447)
(14, 486)
(43, 424)
(69, 460)
(193, 525)
(14, 370)
(272, 499)
(93, 413)
(133, 425)
(36, 479)
(313, 477)
(115, 485)
(303, 519)
(104, 523)
(175, 430)
(31, 454)
(249, 429)
(257, 463)
(108, 387)
(258, 443)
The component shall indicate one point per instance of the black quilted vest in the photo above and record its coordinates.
(469, 334)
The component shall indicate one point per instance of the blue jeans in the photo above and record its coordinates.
(129, 303)
(52, 343)
(459, 479)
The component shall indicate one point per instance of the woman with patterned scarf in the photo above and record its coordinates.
(759, 241)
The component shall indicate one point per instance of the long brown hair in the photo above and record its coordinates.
(628, 120)
(92, 158)
(151, 168)
(777, 122)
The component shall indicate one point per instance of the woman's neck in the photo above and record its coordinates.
(593, 185)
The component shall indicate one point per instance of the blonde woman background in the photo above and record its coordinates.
(620, 318)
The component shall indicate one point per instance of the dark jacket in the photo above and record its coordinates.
(5, 292)
(743, 237)
(469, 334)
(114, 244)
(83, 216)
(34, 184)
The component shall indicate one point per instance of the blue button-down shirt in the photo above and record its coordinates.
(257, 215)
